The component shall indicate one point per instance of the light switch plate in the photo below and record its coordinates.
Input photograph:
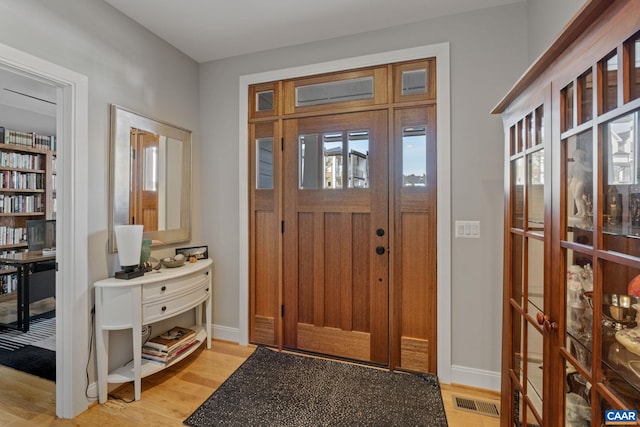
(468, 229)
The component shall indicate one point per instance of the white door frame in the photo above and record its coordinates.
(72, 290)
(441, 53)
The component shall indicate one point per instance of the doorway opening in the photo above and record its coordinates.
(72, 321)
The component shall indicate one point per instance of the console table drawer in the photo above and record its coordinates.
(164, 308)
(169, 288)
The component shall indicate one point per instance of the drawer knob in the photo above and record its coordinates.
(206, 290)
(164, 308)
(164, 288)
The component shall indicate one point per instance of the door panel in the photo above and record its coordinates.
(335, 283)
(415, 284)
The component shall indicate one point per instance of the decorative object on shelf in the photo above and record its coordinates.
(634, 206)
(580, 173)
(129, 240)
(195, 253)
(630, 338)
(145, 251)
(176, 261)
(613, 206)
(633, 288)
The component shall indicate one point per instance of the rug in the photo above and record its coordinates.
(32, 352)
(279, 389)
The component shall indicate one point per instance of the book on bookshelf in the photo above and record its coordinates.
(172, 339)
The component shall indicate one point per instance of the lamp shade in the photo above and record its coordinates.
(129, 241)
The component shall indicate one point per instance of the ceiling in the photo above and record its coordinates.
(207, 30)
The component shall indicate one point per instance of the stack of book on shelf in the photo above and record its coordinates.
(168, 346)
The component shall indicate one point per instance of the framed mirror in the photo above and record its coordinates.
(150, 166)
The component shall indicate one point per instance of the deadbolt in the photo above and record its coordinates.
(380, 232)
(380, 250)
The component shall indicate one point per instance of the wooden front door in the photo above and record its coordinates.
(336, 228)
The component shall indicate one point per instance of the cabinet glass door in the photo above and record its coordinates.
(527, 278)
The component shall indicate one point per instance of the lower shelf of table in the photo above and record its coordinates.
(125, 373)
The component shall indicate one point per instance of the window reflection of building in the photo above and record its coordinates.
(358, 170)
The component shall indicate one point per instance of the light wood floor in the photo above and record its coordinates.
(168, 397)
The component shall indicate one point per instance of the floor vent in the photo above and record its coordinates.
(478, 406)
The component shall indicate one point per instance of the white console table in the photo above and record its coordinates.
(130, 304)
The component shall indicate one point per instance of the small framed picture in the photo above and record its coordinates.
(199, 252)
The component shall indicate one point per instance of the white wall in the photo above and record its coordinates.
(488, 53)
(125, 65)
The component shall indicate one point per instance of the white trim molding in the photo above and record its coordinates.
(72, 292)
(441, 53)
(479, 378)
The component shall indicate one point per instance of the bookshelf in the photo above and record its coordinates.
(152, 298)
(27, 191)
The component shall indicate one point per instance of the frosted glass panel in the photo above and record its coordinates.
(414, 82)
(264, 101)
(340, 91)
(264, 163)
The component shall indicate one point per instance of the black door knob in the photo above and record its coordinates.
(380, 232)
(380, 250)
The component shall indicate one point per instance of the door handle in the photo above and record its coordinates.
(546, 323)
(380, 232)
(380, 250)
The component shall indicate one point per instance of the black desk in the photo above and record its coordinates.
(27, 264)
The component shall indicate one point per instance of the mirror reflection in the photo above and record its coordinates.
(150, 177)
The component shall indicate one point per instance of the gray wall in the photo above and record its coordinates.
(488, 53)
(125, 65)
(546, 18)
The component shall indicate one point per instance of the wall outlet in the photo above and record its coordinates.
(468, 229)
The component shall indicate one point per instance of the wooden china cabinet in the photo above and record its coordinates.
(571, 339)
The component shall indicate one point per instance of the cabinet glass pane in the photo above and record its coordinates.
(535, 280)
(579, 185)
(517, 193)
(513, 140)
(535, 191)
(534, 369)
(518, 344)
(619, 328)
(567, 111)
(621, 210)
(609, 72)
(264, 163)
(577, 399)
(585, 88)
(539, 123)
(529, 130)
(633, 47)
(520, 137)
(519, 406)
(517, 269)
(579, 285)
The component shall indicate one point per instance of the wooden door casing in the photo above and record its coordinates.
(336, 286)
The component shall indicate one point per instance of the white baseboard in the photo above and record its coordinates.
(226, 333)
(472, 377)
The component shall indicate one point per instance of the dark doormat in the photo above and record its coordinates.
(32, 352)
(273, 388)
